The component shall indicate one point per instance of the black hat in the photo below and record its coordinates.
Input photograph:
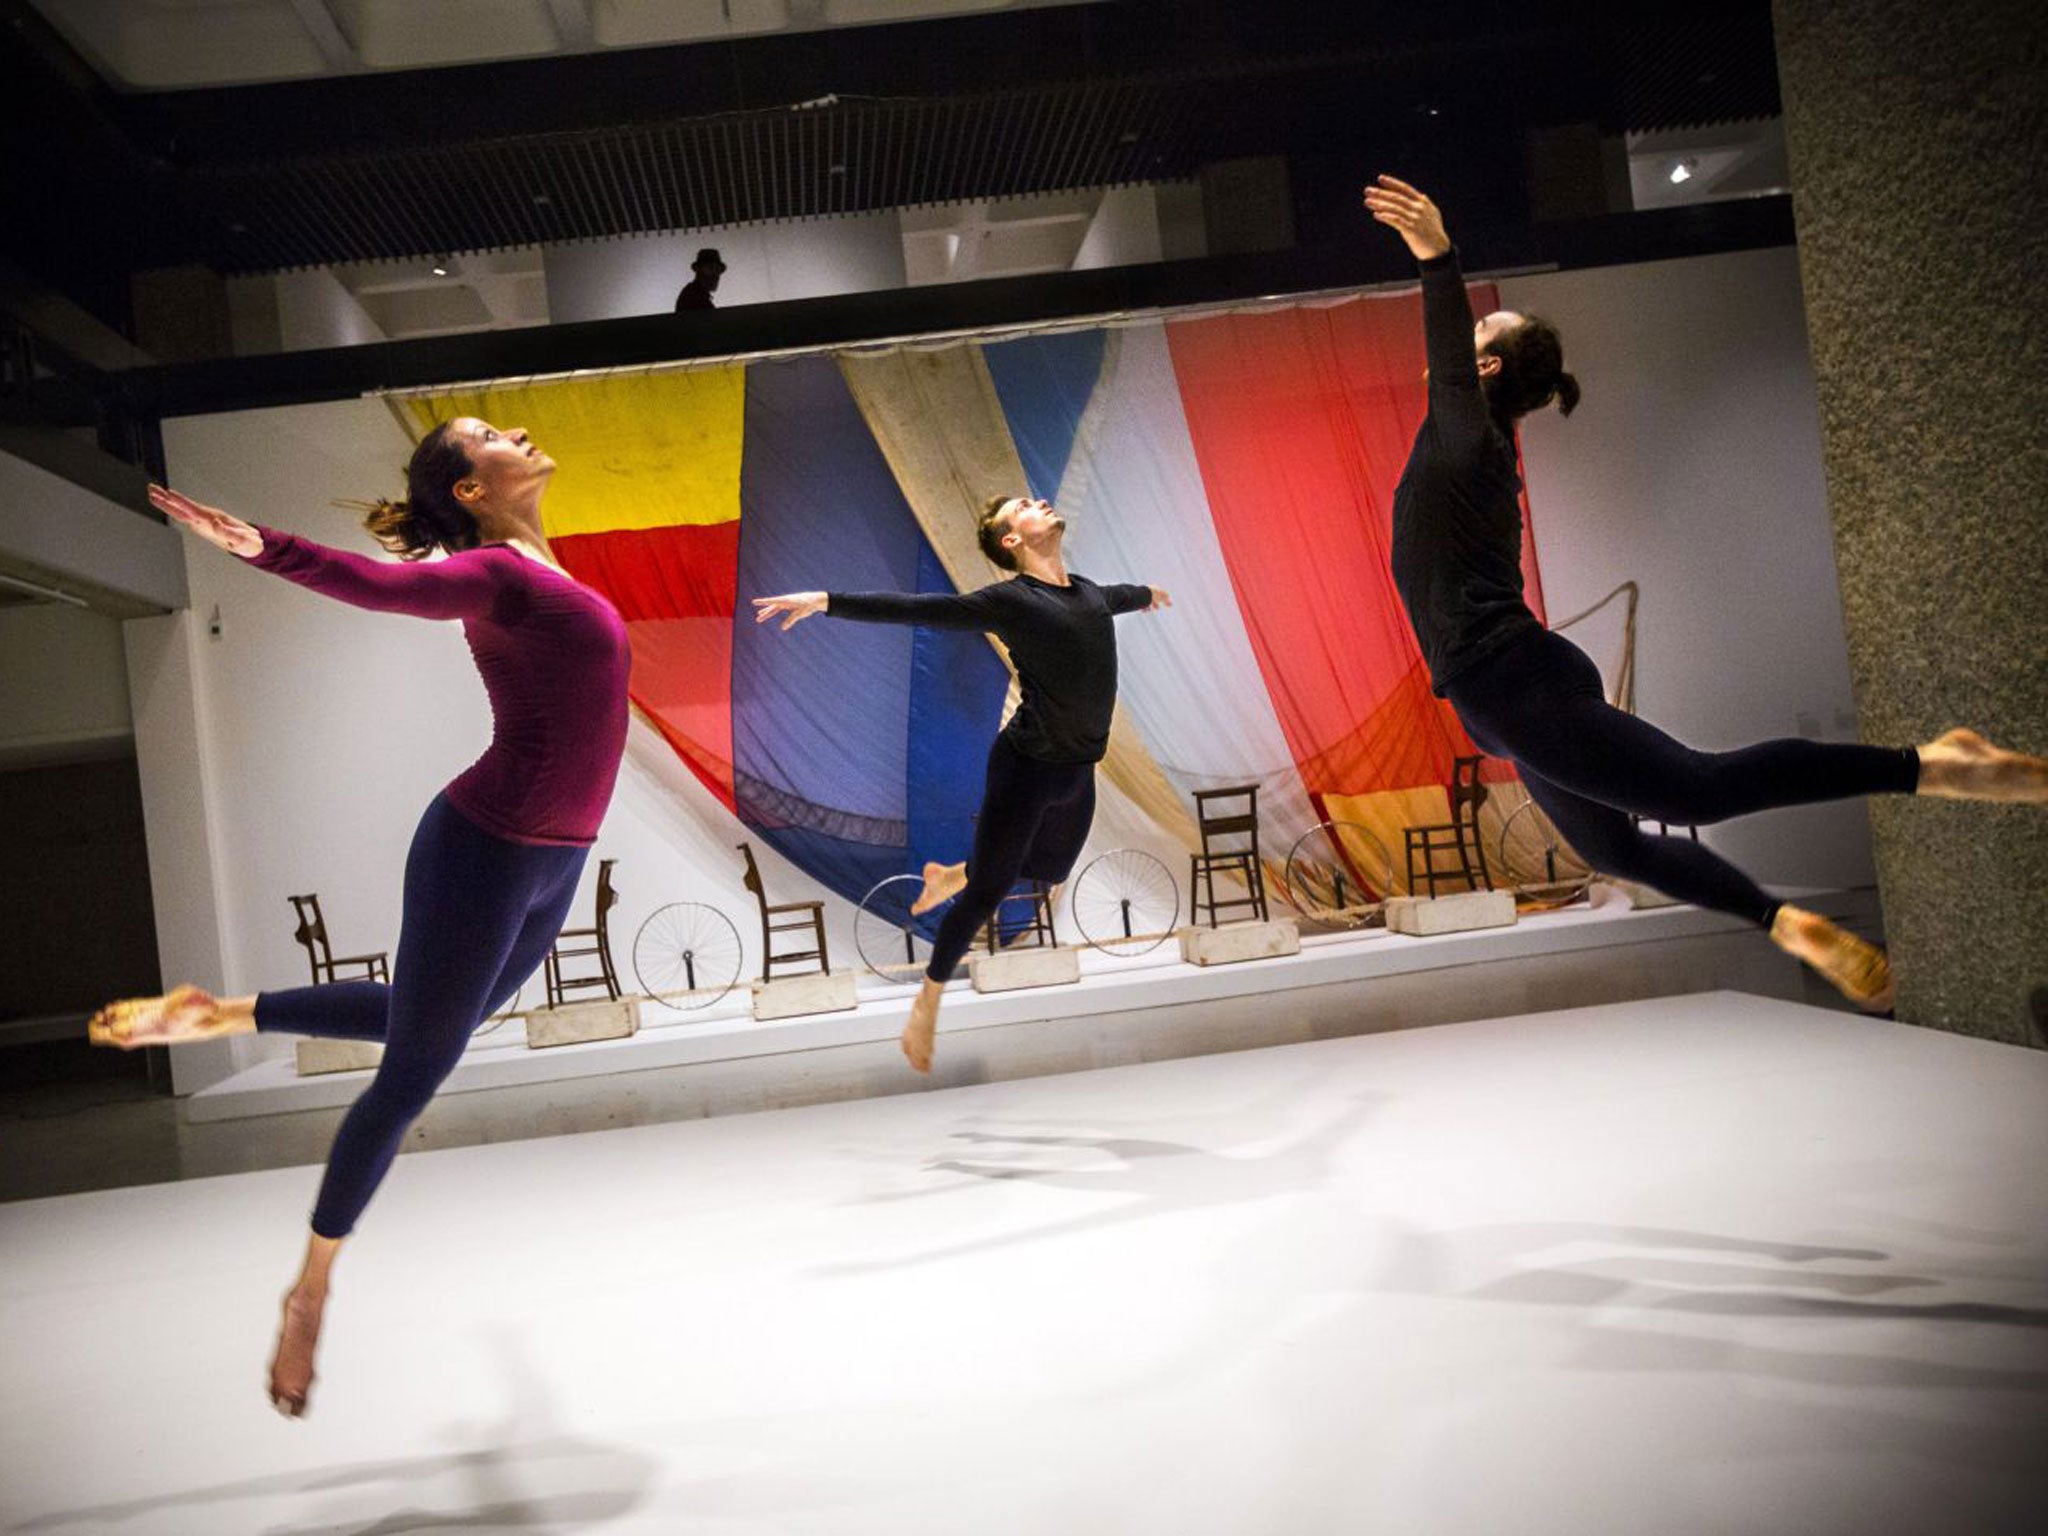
(707, 257)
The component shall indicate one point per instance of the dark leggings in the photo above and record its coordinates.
(480, 914)
(1034, 818)
(1538, 702)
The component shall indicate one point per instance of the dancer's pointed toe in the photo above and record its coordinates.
(1962, 765)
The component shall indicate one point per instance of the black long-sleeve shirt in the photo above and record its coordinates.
(1062, 641)
(1457, 509)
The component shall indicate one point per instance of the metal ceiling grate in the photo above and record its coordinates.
(794, 163)
(1690, 71)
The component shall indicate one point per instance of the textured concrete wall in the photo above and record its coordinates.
(1917, 145)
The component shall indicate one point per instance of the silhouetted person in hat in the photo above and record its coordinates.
(697, 291)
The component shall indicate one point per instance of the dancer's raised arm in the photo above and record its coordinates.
(1448, 333)
(455, 588)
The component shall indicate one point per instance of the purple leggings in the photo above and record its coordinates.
(1538, 702)
(480, 915)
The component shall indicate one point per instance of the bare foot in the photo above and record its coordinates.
(942, 882)
(1961, 765)
(183, 1013)
(1858, 970)
(291, 1367)
(923, 1025)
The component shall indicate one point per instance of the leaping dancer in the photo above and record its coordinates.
(1040, 796)
(1532, 697)
(494, 864)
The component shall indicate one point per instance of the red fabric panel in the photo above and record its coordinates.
(676, 589)
(685, 571)
(1301, 421)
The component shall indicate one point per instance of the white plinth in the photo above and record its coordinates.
(316, 1057)
(1240, 941)
(789, 996)
(1425, 915)
(573, 1023)
(1641, 897)
(1036, 966)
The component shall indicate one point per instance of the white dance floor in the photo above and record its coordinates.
(1705, 1264)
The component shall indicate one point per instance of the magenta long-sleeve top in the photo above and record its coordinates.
(554, 660)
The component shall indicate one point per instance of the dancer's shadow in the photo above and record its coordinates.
(1658, 1272)
(1159, 1177)
(525, 1477)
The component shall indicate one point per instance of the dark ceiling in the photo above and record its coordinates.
(98, 185)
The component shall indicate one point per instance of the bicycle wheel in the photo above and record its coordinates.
(1125, 903)
(686, 955)
(1338, 873)
(887, 935)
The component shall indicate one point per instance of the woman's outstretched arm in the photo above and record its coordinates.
(444, 589)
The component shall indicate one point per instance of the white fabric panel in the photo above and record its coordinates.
(1137, 512)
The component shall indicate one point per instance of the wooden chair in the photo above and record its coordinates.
(1228, 820)
(1035, 930)
(326, 965)
(583, 944)
(1458, 837)
(813, 919)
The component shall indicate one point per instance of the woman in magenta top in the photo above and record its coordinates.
(494, 864)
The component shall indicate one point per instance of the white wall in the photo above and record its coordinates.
(63, 685)
(322, 732)
(1124, 231)
(1693, 466)
(607, 279)
(314, 310)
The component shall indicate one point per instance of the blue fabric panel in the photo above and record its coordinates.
(820, 715)
(1044, 383)
(857, 748)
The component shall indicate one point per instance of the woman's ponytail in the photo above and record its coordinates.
(429, 518)
(1531, 372)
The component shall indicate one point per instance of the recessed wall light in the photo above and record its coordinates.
(1682, 171)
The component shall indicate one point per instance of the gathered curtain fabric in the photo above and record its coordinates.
(1245, 462)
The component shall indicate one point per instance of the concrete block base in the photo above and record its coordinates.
(1425, 915)
(573, 1023)
(316, 1057)
(1240, 941)
(1641, 897)
(786, 997)
(1017, 968)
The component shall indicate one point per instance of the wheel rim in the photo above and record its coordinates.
(686, 955)
(1338, 872)
(1125, 903)
(885, 934)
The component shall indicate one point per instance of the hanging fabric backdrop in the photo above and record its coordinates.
(1246, 462)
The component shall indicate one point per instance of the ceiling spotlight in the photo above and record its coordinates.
(440, 267)
(1681, 171)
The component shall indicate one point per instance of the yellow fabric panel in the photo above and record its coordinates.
(1530, 834)
(633, 450)
(1386, 814)
(937, 419)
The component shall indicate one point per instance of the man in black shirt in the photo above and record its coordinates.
(1060, 630)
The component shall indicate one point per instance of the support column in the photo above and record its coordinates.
(1916, 134)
